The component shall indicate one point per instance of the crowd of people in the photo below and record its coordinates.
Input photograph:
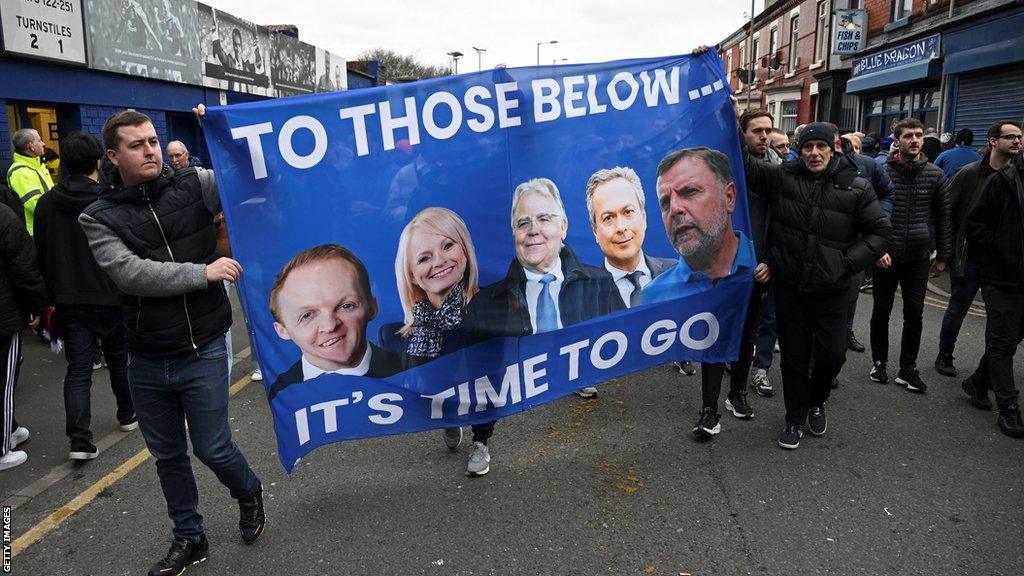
(941, 206)
(129, 257)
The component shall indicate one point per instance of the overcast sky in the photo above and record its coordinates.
(586, 30)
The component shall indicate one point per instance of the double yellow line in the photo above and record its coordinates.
(55, 519)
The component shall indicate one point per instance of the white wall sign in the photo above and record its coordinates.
(49, 29)
(850, 31)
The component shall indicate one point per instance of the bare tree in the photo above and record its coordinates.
(402, 67)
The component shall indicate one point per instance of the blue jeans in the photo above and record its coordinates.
(80, 326)
(962, 291)
(766, 333)
(194, 386)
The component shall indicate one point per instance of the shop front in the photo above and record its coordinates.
(984, 65)
(899, 82)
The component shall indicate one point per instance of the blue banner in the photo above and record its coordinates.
(460, 249)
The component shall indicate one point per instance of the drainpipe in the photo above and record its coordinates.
(952, 5)
(750, 50)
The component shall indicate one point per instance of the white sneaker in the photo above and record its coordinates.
(12, 459)
(587, 392)
(256, 376)
(18, 436)
(479, 460)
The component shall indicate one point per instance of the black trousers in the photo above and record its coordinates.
(80, 327)
(10, 363)
(810, 324)
(1004, 330)
(711, 374)
(483, 432)
(912, 277)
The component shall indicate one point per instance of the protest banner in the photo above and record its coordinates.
(455, 250)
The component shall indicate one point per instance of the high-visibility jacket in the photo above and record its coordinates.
(29, 179)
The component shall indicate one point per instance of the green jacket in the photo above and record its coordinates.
(29, 179)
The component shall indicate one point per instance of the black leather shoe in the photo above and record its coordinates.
(183, 553)
(852, 343)
(251, 517)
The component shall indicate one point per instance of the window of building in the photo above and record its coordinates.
(821, 45)
(880, 114)
(848, 110)
(756, 51)
(787, 116)
(794, 27)
(901, 9)
(743, 63)
(926, 107)
(773, 47)
(855, 5)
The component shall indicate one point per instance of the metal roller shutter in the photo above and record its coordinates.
(984, 98)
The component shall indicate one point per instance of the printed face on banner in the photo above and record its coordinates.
(437, 264)
(540, 227)
(620, 222)
(322, 309)
(696, 204)
(409, 260)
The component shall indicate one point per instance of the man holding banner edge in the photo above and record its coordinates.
(826, 226)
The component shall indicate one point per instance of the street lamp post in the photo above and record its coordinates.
(455, 59)
(479, 51)
(539, 44)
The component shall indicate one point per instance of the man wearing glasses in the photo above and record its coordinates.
(995, 224)
(178, 156)
(546, 287)
(780, 142)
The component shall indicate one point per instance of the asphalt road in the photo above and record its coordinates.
(901, 484)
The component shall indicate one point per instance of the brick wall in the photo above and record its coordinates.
(880, 12)
(93, 117)
(6, 150)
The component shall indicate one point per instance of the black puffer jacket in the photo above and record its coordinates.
(166, 220)
(920, 204)
(825, 227)
(21, 287)
(996, 224)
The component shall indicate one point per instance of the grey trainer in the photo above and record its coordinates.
(452, 437)
(479, 460)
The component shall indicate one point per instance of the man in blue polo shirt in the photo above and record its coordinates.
(697, 196)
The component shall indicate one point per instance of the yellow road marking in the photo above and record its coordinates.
(55, 519)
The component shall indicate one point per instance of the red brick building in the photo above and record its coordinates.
(790, 47)
(951, 63)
